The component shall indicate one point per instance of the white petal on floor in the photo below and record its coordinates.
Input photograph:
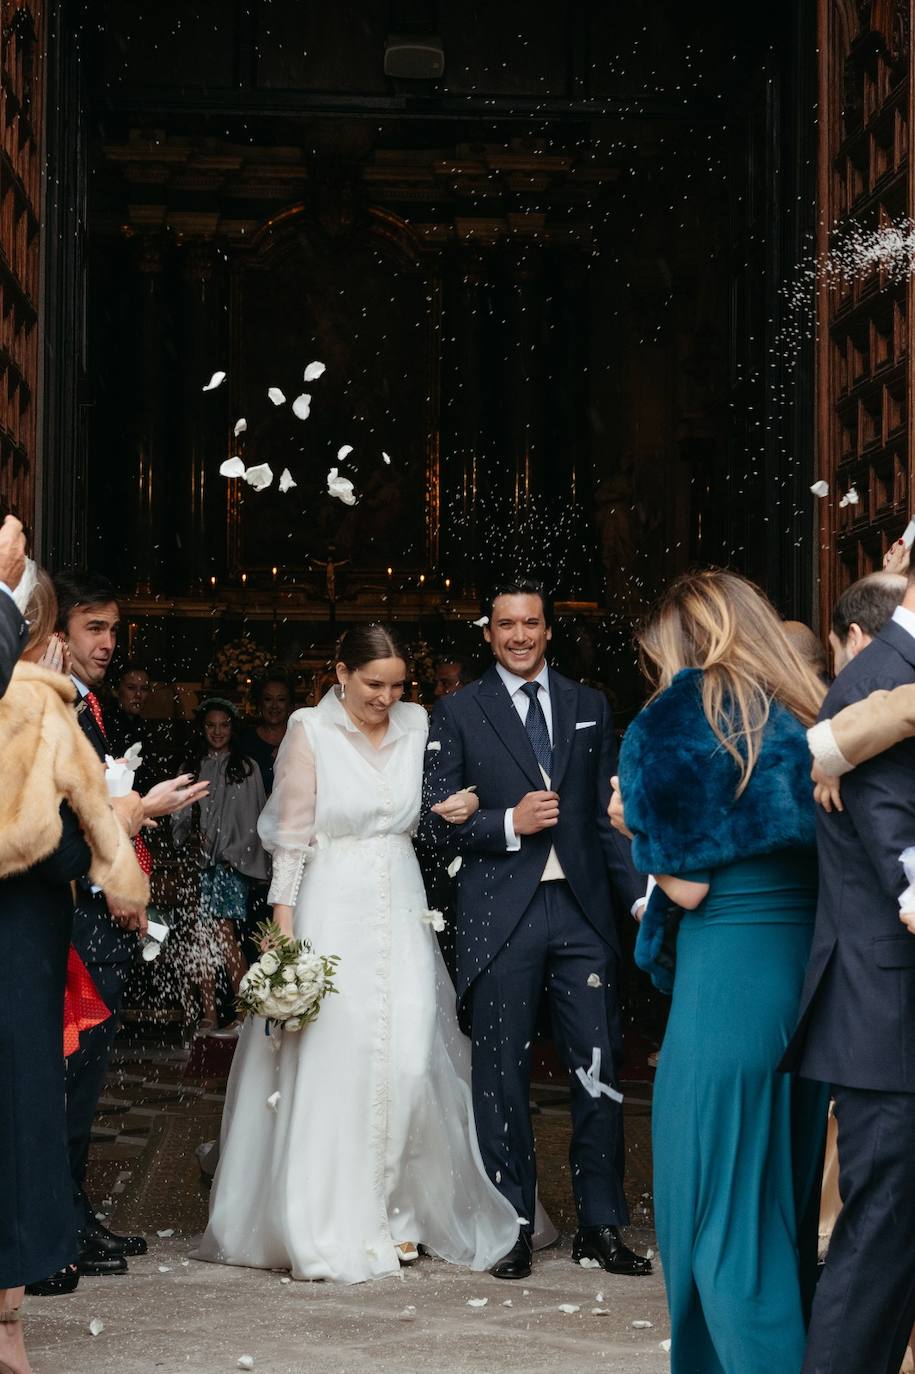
(286, 480)
(240, 427)
(569, 1308)
(162, 1234)
(820, 488)
(246, 1362)
(664, 1345)
(165, 1268)
(507, 1302)
(313, 371)
(477, 1302)
(276, 396)
(259, 477)
(407, 1315)
(641, 1325)
(96, 1326)
(232, 467)
(600, 1311)
(216, 380)
(301, 406)
(587, 1263)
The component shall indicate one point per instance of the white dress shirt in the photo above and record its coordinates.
(521, 702)
(906, 618)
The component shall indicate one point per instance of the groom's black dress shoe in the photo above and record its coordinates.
(97, 1259)
(64, 1281)
(106, 1240)
(604, 1244)
(517, 1263)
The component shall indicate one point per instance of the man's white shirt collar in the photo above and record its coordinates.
(80, 686)
(515, 683)
(906, 618)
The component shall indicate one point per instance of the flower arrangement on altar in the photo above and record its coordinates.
(236, 663)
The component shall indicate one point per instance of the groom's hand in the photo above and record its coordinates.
(536, 811)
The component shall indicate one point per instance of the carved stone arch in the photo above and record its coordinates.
(278, 234)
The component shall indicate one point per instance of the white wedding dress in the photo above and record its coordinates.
(372, 1141)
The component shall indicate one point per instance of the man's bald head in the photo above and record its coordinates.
(861, 612)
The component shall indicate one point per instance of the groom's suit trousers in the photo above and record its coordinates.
(553, 948)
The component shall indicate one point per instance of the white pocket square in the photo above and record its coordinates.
(584, 724)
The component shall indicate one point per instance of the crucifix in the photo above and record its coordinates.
(330, 566)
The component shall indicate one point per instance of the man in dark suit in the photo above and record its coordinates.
(535, 913)
(857, 1031)
(104, 938)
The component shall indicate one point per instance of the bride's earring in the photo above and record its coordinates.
(342, 691)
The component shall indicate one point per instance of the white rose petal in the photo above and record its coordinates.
(664, 1345)
(569, 1308)
(588, 1263)
(273, 1101)
(433, 746)
(594, 981)
(259, 477)
(344, 452)
(216, 380)
(313, 371)
(301, 406)
(600, 1311)
(287, 1279)
(598, 1297)
(641, 1325)
(386, 457)
(232, 467)
(246, 1362)
(286, 480)
(276, 396)
(483, 620)
(165, 1268)
(477, 1302)
(435, 919)
(97, 1326)
(240, 427)
(163, 1234)
(341, 487)
(407, 1315)
(820, 488)
(455, 867)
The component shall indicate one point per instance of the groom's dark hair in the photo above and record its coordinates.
(521, 586)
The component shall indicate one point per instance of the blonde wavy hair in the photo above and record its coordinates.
(723, 624)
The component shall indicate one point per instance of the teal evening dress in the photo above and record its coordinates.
(738, 1146)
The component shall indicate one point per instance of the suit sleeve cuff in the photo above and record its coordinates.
(643, 901)
(825, 750)
(512, 841)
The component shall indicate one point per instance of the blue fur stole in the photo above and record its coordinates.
(679, 785)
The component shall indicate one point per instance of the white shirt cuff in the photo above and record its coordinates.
(512, 841)
(825, 751)
(643, 901)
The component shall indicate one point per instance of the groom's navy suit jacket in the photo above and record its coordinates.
(857, 1018)
(477, 737)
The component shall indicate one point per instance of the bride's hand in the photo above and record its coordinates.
(458, 808)
(283, 917)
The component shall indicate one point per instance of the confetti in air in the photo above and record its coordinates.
(301, 406)
(386, 457)
(344, 452)
(340, 487)
(276, 396)
(455, 866)
(259, 477)
(240, 427)
(820, 488)
(313, 371)
(286, 480)
(216, 380)
(851, 498)
(232, 467)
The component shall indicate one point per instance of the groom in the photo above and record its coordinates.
(535, 913)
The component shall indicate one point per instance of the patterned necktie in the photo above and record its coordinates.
(535, 725)
(144, 858)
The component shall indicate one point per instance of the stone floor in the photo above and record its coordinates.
(181, 1317)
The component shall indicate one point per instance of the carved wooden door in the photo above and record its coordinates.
(864, 353)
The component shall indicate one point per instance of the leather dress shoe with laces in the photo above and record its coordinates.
(517, 1263)
(98, 1260)
(64, 1281)
(604, 1244)
(114, 1245)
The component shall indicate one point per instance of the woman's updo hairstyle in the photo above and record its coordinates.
(365, 643)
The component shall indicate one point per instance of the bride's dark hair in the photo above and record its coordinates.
(365, 643)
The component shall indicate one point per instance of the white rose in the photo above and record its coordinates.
(269, 963)
(288, 975)
(294, 1024)
(287, 993)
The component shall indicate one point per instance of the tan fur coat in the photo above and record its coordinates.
(45, 760)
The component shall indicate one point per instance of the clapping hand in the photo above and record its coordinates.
(173, 795)
(128, 915)
(896, 558)
(459, 807)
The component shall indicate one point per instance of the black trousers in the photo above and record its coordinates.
(86, 1070)
(554, 948)
(864, 1306)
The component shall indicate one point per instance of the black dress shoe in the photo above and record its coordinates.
(64, 1281)
(114, 1245)
(604, 1244)
(517, 1263)
(96, 1260)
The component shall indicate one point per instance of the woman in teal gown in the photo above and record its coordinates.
(728, 832)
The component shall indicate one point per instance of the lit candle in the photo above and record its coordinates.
(390, 572)
(244, 579)
(422, 579)
(447, 584)
(274, 574)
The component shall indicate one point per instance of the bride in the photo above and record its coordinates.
(370, 1149)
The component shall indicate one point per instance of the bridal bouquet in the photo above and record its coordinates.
(288, 983)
